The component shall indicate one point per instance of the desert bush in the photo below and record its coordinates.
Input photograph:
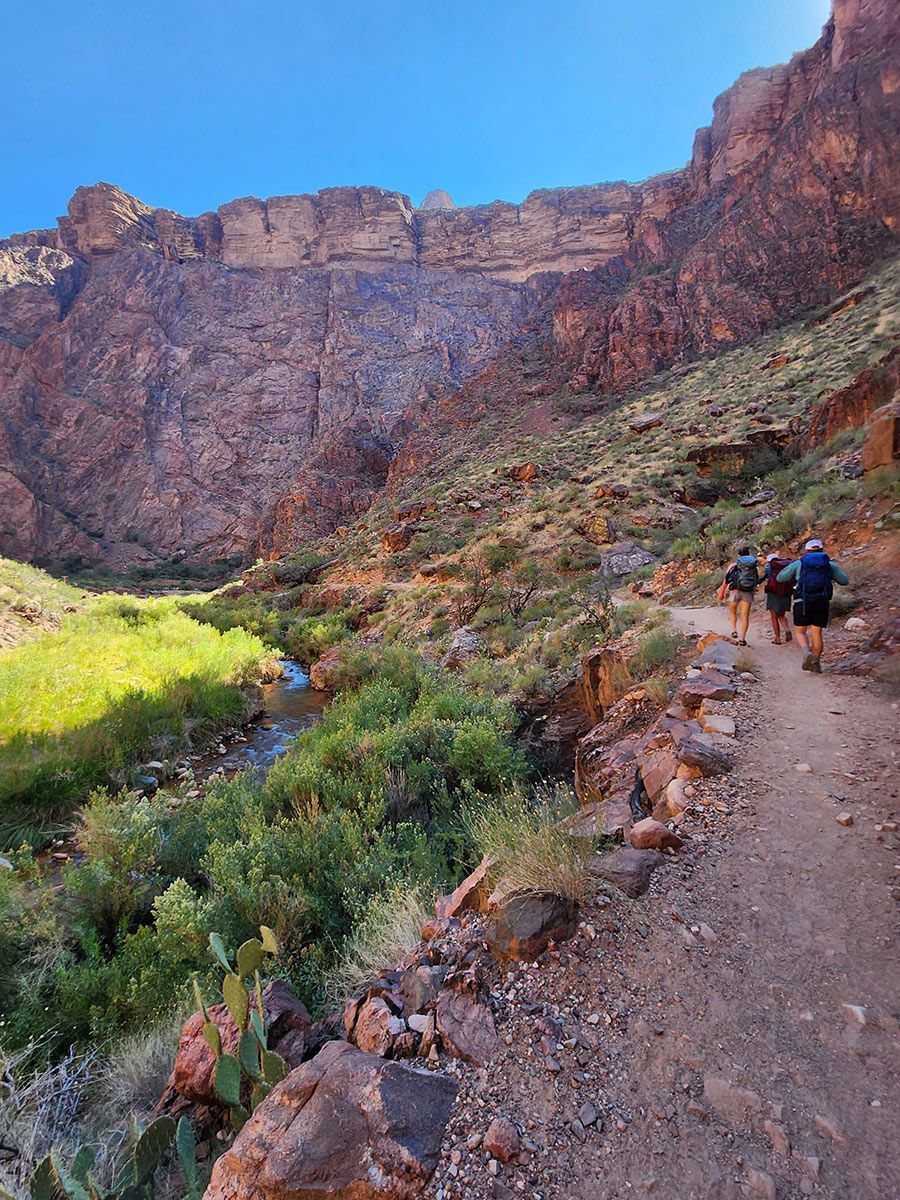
(129, 1077)
(40, 1107)
(657, 689)
(477, 580)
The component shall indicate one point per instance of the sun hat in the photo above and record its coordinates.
(814, 544)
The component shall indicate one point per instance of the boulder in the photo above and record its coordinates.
(647, 421)
(718, 723)
(658, 769)
(698, 492)
(601, 818)
(397, 537)
(709, 685)
(887, 638)
(708, 759)
(419, 986)
(466, 1025)
(469, 896)
(625, 557)
(377, 1027)
(322, 671)
(467, 644)
(413, 510)
(761, 497)
(675, 801)
(527, 922)
(882, 445)
(627, 868)
(719, 653)
(502, 1140)
(344, 1126)
(612, 491)
(436, 928)
(653, 835)
(598, 529)
(522, 472)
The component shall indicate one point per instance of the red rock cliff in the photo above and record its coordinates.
(208, 385)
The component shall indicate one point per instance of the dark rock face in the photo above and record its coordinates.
(344, 1126)
(526, 923)
(187, 406)
(628, 869)
(251, 377)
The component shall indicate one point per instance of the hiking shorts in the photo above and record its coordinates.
(738, 597)
(812, 612)
(777, 604)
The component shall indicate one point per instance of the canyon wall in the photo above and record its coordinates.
(213, 385)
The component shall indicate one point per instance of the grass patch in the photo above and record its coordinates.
(386, 934)
(121, 681)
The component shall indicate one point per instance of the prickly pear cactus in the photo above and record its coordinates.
(242, 993)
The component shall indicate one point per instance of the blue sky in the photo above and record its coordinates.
(188, 105)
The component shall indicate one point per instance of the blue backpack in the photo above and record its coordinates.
(815, 582)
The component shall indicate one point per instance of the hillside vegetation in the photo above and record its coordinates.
(461, 540)
(32, 602)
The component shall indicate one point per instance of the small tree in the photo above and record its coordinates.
(596, 608)
(518, 586)
(478, 582)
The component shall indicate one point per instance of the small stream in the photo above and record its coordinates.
(291, 706)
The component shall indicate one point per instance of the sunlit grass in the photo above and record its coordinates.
(121, 680)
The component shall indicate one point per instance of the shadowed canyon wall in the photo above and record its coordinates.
(243, 379)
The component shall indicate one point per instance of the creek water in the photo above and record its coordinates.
(291, 706)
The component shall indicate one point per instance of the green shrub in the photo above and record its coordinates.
(308, 638)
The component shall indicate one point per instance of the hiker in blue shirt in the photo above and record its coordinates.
(813, 576)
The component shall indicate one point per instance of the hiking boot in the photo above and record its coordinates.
(816, 666)
(810, 662)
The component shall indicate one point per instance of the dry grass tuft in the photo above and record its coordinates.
(390, 929)
(531, 845)
(39, 1108)
(130, 1079)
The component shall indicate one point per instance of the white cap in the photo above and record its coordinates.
(769, 557)
(814, 544)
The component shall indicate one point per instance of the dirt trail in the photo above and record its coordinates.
(697, 1044)
(806, 922)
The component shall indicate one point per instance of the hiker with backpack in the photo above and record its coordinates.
(813, 576)
(741, 581)
(778, 597)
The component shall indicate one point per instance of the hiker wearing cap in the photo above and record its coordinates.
(778, 597)
(813, 576)
(741, 581)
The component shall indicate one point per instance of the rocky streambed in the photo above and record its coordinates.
(290, 705)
